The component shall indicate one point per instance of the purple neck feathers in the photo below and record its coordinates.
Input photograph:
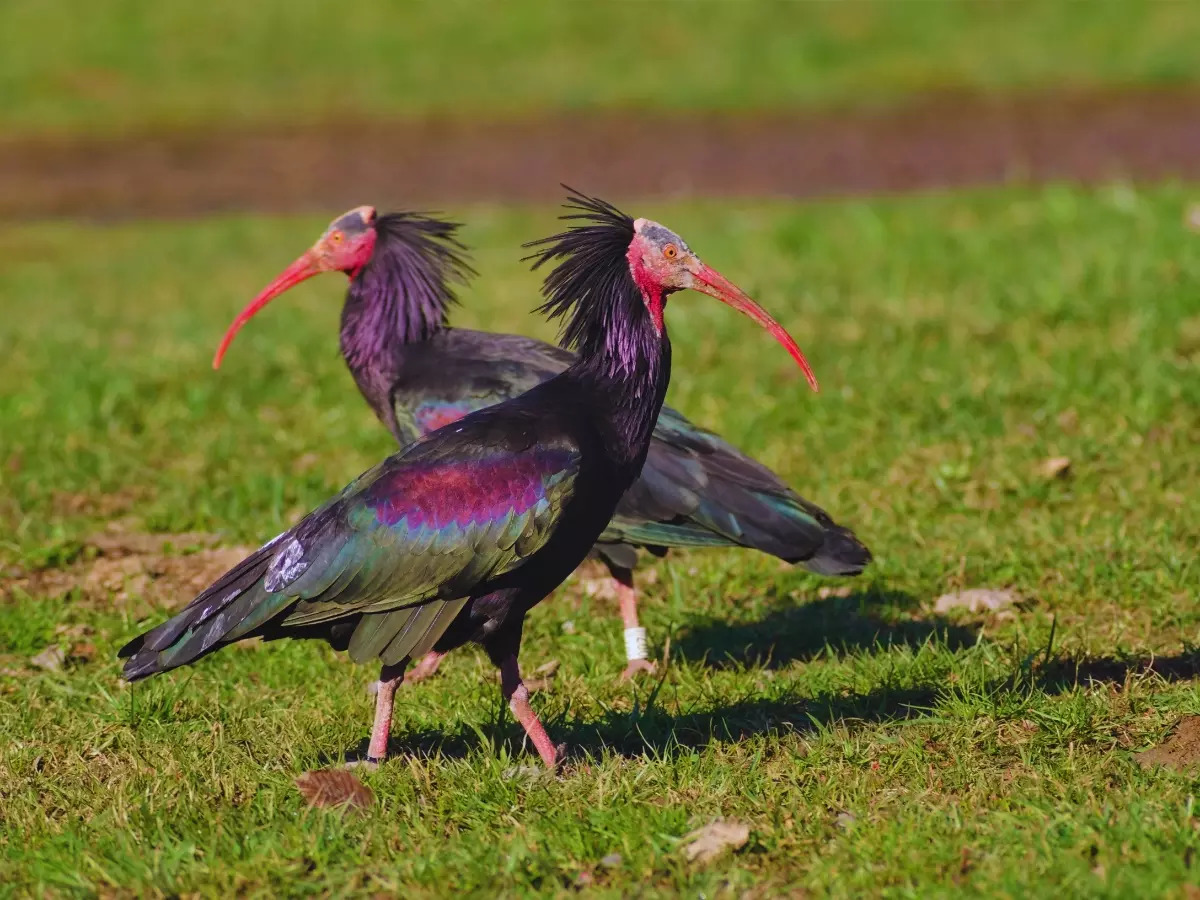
(623, 361)
(404, 293)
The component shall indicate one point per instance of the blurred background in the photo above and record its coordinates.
(134, 108)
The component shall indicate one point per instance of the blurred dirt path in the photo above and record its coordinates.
(935, 143)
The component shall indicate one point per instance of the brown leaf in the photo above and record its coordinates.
(1180, 751)
(334, 787)
(83, 651)
(1055, 467)
(707, 843)
(50, 660)
(547, 669)
(977, 600)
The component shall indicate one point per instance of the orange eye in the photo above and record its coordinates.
(670, 251)
(336, 237)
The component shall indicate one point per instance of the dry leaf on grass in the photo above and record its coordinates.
(1180, 751)
(977, 600)
(334, 787)
(707, 843)
(1055, 467)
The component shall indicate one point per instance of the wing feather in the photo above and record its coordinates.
(394, 556)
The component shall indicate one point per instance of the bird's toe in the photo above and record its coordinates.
(637, 667)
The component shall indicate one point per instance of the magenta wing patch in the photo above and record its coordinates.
(438, 494)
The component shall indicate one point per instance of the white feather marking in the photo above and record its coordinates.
(286, 567)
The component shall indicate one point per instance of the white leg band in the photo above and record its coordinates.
(635, 643)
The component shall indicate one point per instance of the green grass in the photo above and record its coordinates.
(872, 746)
(68, 66)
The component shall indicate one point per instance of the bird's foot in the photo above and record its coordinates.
(536, 773)
(637, 666)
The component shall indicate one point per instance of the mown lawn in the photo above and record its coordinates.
(70, 67)
(870, 744)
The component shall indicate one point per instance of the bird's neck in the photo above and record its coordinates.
(625, 375)
(380, 317)
(403, 294)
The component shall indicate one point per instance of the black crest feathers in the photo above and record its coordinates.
(591, 286)
(424, 256)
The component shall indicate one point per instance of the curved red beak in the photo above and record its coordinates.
(346, 246)
(308, 265)
(713, 283)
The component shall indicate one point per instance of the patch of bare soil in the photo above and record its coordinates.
(161, 569)
(74, 503)
(1180, 751)
(935, 142)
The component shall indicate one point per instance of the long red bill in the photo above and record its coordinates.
(715, 284)
(303, 268)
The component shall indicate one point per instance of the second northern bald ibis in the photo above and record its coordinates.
(417, 373)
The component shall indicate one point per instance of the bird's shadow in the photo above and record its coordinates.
(871, 619)
(653, 730)
(789, 632)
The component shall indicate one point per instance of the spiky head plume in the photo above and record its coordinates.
(420, 259)
(591, 289)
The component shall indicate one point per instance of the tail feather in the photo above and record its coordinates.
(841, 554)
(697, 490)
(231, 608)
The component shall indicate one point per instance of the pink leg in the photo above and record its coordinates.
(422, 670)
(426, 667)
(635, 635)
(390, 678)
(517, 695)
